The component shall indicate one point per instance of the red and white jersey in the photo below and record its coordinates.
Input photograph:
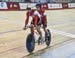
(39, 13)
(34, 13)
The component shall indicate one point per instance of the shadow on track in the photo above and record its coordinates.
(45, 49)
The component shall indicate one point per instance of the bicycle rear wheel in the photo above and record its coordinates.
(48, 37)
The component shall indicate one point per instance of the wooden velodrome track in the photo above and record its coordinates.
(13, 38)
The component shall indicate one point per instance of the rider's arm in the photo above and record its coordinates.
(27, 18)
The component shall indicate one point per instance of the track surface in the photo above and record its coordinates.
(13, 38)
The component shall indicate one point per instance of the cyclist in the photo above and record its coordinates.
(39, 18)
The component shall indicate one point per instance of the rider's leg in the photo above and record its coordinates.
(44, 22)
(45, 30)
(39, 31)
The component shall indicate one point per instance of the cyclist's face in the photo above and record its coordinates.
(38, 8)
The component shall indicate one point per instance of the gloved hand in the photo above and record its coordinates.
(25, 27)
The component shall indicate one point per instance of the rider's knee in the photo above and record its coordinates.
(39, 31)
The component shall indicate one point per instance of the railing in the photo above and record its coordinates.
(42, 1)
(22, 6)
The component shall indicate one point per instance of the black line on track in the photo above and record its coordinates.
(10, 31)
(11, 49)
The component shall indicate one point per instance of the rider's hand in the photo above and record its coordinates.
(24, 28)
